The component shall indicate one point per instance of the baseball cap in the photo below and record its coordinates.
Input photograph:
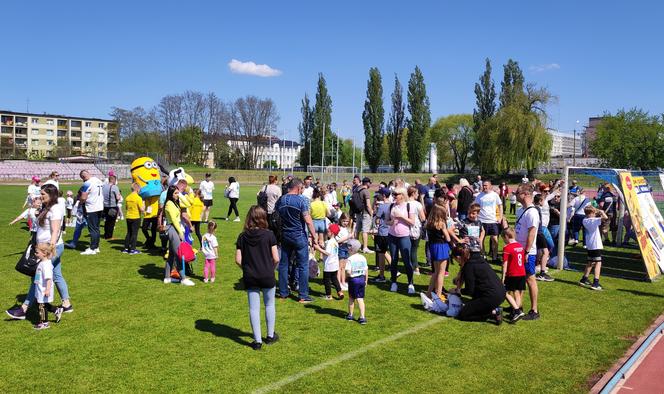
(35, 179)
(334, 229)
(353, 246)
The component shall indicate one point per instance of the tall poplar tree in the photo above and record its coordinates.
(322, 115)
(513, 83)
(396, 125)
(485, 101)
(305, 128)
(419, 121)
(373, 119)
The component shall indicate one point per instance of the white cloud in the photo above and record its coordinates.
(251, 68)
(544, 67)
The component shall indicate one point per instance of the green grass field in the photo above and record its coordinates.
(131, 332)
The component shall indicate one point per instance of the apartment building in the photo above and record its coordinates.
(28, 135)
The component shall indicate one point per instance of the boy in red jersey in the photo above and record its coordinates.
(514, 273)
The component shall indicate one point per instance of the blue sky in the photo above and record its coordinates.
(84, 57)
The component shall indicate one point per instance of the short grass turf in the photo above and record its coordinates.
(131, 332)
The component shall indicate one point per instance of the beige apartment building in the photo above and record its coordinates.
(37, 136)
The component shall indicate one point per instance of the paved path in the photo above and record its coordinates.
(647, 376)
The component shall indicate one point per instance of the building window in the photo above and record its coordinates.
(35, 132)
(49, 122)
(49, 133)
(88, 135)
(100, 135)
(88, 124)
(35, 142)
(35, 120)
(49, 142)
(100, 145)
(101, 125)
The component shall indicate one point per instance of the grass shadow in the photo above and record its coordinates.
(327, 311)
(641, 293)
(151, 271)
(224, 331)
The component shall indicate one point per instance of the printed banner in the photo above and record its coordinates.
(647, 222)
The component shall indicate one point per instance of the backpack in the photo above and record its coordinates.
(261, 198)
(357, 204)
(185, 252)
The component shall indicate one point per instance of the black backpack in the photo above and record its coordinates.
(261, 198)
(357, 204)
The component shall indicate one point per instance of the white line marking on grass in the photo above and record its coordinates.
(346, 356)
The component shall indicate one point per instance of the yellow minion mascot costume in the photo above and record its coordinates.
(145, 172)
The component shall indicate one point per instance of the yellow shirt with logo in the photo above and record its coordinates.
(196, 209)
(318, 209)
(133, 202)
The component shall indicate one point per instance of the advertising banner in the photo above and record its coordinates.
(647, 222)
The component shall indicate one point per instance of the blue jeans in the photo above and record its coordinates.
(300, 248)
(58, 279)
(400, 245)
(77, 232)
(554, 229)
(577, 225)
(93, 228)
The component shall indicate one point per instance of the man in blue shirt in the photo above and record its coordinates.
(295, 218)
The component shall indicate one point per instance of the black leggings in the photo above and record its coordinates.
(479, 309)
(197, 229)
(149, 229)
(330, 279)
(233, 207)
(132, 233)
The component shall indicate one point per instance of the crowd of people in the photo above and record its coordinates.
(295, 225)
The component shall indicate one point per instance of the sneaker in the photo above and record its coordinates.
(596, 287)
(340, 295)
(571, 242)
(58, 314)
(68, 309)
(212, 280)
(88, 252)
(398, 274)
(367, 251)
(411, 289)
(42, 326)
(187, 282)
(205, 280)
(306, 300)
(417, 272)
(362, 321)
(70, 245)
(543, 276)
(516, 316)
(97, 250)
(344, 287)
(394, 287)
(270, 340)
(167, 280)
(226, 219)
(532, 315)
(135, 252)
(125, 250)
(327, 297)
(256, 345)
(237, 220)
(375, 268)
(498, 316)
(16, 313)
(349, 317)
(585, 282)
(380, 279)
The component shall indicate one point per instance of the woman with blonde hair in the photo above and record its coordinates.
(402, 218)
(464, 199)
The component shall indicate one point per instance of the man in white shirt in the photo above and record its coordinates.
(308, 190)
(331, 196)
(206, 187)
(94, 205)
(490, 208)
(526, 226)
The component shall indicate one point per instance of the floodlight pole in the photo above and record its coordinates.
(336, 179)
(322, 155)
(563, 219)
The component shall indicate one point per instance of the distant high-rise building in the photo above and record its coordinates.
(564, 145)
(589, 134)
(27, 135)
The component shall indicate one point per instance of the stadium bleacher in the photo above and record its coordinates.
(23, 169)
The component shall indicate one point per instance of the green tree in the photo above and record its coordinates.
(454, 134)
(419, 121)
(631, 139)
(395, 127)
(305, 128)
(188, 145)
(144, 143)
(485, 101)
(513, 83)
(322, 122)
(373, 119)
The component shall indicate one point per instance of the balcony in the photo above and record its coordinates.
(76, 124)
(62, 125)
(7, 130)
(75, 136)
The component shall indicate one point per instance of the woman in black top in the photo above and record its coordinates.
(483, 285)
(465, 199)
(258, 256)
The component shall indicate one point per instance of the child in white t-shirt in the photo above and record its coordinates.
(69, 205)
(211, 251)
(358, 276)
(345, 234)
(331, 262)
(43, 281)
(592, 224)
(31, 215)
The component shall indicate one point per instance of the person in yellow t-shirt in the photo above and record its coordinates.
(196, 213)
(134, 206)
(150, 221)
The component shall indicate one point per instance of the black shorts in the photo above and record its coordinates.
(380, 241)
(491, 228)
(594, 255)
(515, 283)
(540, 241)
(207, 203)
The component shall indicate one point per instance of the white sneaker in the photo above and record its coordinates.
(416, 272)
(88, 252)
(205, 280)
(344, 287)
(187, 282)
(367, 251)
(167, 280)
(97, 250)
(212, 280)
(411, 289)
(237, 220)
(393, 288)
